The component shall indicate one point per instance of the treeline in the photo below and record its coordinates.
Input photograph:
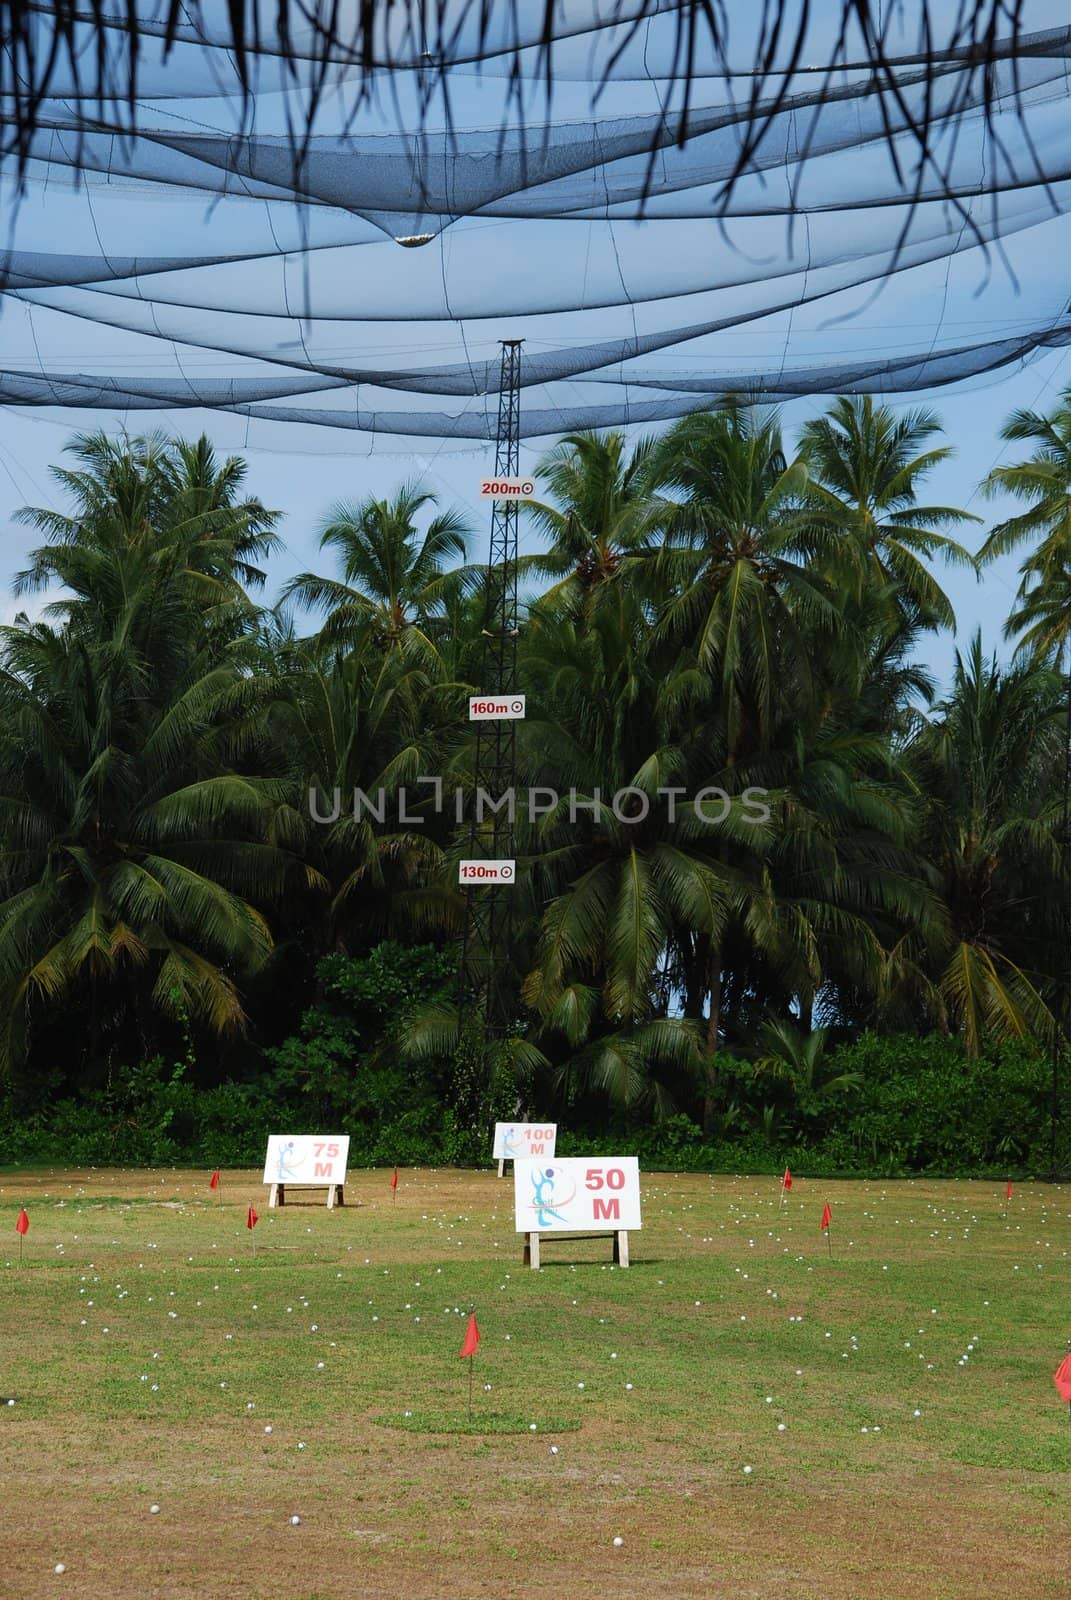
(758, 827)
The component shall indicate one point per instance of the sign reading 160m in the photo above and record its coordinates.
(576, 1194)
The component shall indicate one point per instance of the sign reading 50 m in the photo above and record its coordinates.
(576, 1194)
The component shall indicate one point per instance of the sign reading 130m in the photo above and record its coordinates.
(307, 1158)
(516, 1139)
(577, 1194)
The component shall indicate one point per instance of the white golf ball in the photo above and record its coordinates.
(295, 1522)
(747, 1469)
(59, 1567)
(618, 1540)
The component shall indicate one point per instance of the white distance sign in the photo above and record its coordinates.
(577, 1194)
(487, 872)
(513, 1140)
(307, 1158)
(508, 488)
(496, 708)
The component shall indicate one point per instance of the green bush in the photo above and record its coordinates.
(915, 1105)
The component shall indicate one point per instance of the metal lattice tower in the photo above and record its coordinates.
(487, 915)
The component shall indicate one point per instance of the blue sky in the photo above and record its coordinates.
(298, 476)
(302, 470)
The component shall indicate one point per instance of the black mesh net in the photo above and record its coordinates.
(339, 230)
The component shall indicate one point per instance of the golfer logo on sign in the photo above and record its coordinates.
(509, 1145)
(546, 1202)
(283, 1169)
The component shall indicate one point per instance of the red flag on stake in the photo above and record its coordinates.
(213, 1182)
(1062, 1379)
(394, 1184)
(469, 1348)
(251, 1218)
(22, 1228)
(827, 1216)
(472, 1339)
(786, 1184)
(1008, 1190)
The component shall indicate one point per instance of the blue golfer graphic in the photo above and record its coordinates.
(509, 1145)
(545, 1203)
(284, 1155)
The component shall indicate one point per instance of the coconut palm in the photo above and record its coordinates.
(148, 504)
(393, 575)
(605, 514)
(1043, 479)
(987, 765)
(136, 862)
(865, 467)
(735, 568)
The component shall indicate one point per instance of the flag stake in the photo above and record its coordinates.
(468, 1349)
(22, 1227)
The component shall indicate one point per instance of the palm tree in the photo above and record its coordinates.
(136, 865)
(986, 766)
(358, 732)
(736, 570)
(605, 517)
(1042, 618)
(392, 575)
(1043, 479)
(865, 465)
(150, 503)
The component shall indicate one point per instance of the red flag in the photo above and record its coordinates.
(1062, 1379)
(1008, 1190)
(786, 1181)
(472, 1339)
(251, 1218)
(827, 1216)
(22, 1224)
(394, 1180)
(213, 1182)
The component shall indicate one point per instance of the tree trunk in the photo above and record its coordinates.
(713, 1020)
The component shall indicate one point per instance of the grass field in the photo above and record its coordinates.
(895, 1403)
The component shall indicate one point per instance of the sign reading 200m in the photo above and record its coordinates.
(576, 1194)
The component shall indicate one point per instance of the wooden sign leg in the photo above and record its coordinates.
(621, 1247)
(273, 1195)
(330, 1197)
(531, 1251)
(501, 1168)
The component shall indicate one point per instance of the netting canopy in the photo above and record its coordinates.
(300, 230)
